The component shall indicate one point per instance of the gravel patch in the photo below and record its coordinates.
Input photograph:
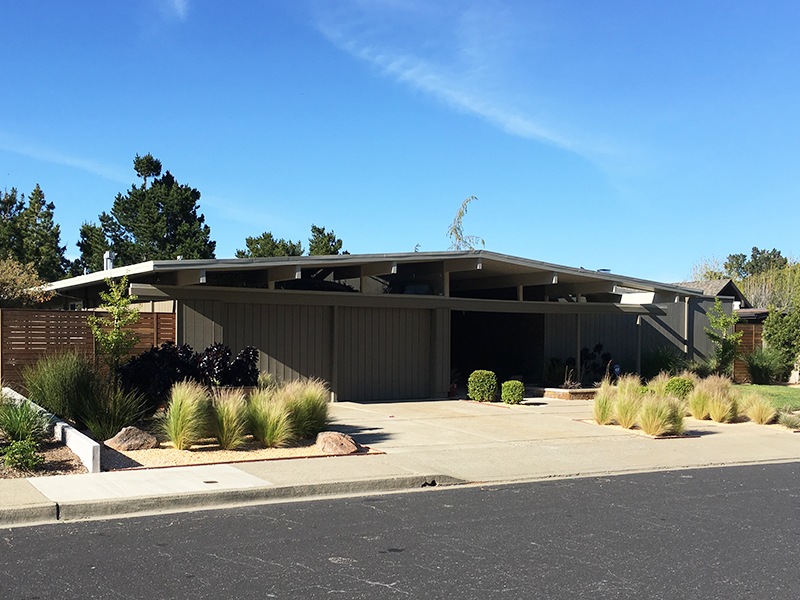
(58, 460)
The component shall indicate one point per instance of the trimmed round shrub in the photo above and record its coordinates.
(482, 386)
(679, 387)
(512, 391)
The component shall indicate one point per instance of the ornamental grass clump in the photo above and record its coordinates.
(658, 384)
(107, 410)
(266, 381)
(268, 419)
(21, 421)
(307, 403)
(603, 407)
(512, 392)
(229, 418)
(789, 419)
(758, 409)
(655, 416)
(698, 403)
(626, 407)
(629, 384)
(61, 383)
(482, 386)
(185, 419)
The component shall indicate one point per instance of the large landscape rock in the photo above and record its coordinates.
(333, 442)
(131, 438)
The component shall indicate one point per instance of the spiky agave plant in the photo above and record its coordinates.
(185, 419)
(229, 418)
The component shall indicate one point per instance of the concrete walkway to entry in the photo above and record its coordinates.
(424, 443)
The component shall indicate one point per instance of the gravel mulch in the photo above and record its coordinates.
(204, 453)
(58, 460)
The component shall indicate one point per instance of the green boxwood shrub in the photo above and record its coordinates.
(512, 391)
(679, 387)
(482, 386)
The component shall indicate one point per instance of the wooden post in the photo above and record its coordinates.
(334, 354)
(639, 345)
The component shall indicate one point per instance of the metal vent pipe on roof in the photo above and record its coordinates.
(108, 260)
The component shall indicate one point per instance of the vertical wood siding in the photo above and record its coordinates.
(385, 353)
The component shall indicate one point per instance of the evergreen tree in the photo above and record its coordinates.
(160, 222)
(266, 245)
(321, 243)
(11, 207)
(93, 245)
(41, 242)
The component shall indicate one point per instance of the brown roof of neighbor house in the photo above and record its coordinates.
(718, 287)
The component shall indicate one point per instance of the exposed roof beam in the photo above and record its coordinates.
(590, 287)
(193, 277)
(283, 274)
(374, 269)
(463, 264)
(504, 281)
(146, 291)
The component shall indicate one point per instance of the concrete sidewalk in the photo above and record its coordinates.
(425, 443)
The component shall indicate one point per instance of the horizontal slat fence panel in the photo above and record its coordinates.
(751, 339)
(26, 335)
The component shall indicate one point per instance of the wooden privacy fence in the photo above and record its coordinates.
(26, 335)
(751, 339)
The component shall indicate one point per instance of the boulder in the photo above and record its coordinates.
(333, 442)
(131, 438)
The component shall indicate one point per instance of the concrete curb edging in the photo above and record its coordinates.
(119, 507)
(85, 448)
(29, 515)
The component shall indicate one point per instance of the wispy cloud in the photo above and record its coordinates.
(460, 71)
(10, 143)
(174, 9)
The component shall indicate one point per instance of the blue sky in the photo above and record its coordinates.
(635, 136)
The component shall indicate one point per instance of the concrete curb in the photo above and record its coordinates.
(167, 503)
(39, 514)
(85, 448)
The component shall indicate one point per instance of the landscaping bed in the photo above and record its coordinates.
(58, 460)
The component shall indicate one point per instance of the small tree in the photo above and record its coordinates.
(456, 231)
(113, 339)
(782, 333)
(20, 285)
(722, 336)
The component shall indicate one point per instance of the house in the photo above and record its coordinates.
(396, 326)
(719, 288)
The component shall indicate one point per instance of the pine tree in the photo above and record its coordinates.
(41, 243)
(266, 245)
(159, 222)
(321, 243)
(93, 245)
(11, 207)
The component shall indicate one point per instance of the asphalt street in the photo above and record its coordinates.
(706, 533)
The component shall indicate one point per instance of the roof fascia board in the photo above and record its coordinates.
(315, 298)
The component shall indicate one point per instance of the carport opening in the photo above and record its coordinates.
(511, 345)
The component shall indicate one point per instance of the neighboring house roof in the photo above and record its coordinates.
(466, 272)
(718, 287)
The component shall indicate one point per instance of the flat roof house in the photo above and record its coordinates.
(396, 326)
